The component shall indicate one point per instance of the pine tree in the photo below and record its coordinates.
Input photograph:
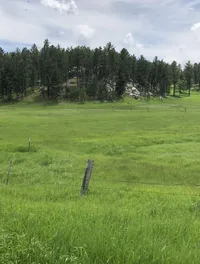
(34, 66)
(101, 73)
(196, 74)
(164, 78)
(124, 72)
(143, 71)
(1, 72)
(188, 72)
(153, 75)
(133, 68)
(181, 83)
(175, 75)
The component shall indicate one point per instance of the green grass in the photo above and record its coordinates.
(132, 213)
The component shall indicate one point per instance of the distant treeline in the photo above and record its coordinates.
(99, 74)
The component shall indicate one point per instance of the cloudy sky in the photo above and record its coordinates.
(169, 29)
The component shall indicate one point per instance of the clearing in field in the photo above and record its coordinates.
(143, 203)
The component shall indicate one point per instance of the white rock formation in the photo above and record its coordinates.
(132, 91)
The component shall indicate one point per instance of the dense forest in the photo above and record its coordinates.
(95, 74)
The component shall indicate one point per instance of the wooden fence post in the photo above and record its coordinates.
(87, 176)
(9, 169)
(29, 144)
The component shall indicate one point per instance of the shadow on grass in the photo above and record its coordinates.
(37, 100)
(20, 149)
(23, 149)
(8, 103)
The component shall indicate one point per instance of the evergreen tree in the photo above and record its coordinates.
(1, 73)
(124, 72)
(181, 83)
(143, 71)
(188, 72)
(175, 75)
(101, 73)
(164, 78)
(133, 68)
(196, 74)
(34, 66)
(153, 75)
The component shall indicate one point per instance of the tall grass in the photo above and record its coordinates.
(132, 214)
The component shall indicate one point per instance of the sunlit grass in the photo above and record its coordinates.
(124, 218)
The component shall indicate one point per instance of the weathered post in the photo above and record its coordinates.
(29, 144)
(9, 169)
(87, 176)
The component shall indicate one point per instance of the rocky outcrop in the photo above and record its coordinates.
(132, 91)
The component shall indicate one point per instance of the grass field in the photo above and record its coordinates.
(143, 204)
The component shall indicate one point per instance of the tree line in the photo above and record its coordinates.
(100, 74)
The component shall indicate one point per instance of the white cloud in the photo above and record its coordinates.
(139, 46)
(128, 40)
(167, 29)
(195, 26)
(61, 33)
(69, 6)
(132, 45)
(84, 31)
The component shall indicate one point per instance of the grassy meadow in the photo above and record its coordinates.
(143, 204)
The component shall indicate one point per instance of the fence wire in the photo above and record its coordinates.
(118, 188)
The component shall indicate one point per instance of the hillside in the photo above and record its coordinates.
(82, 73)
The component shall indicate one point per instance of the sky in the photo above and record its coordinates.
(169, 29)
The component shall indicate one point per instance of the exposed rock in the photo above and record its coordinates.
(132, 91)
(110, 86)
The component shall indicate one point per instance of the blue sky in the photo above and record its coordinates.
(168, 29)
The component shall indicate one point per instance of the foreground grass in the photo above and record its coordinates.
(124, 219)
